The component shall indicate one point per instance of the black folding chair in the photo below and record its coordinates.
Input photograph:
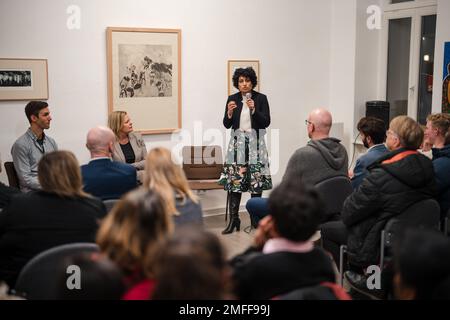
(334, 191)
(39, 279)
(423, 214)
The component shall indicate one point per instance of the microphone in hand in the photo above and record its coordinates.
(249, 101)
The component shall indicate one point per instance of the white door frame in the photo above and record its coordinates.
(387, 6)
(414, 59)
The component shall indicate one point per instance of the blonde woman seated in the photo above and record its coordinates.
(129, 146)
(168, 179)
(131, 235)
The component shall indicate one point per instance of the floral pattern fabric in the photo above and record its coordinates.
(246, 167)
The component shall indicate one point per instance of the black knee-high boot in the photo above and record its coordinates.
(234, 222)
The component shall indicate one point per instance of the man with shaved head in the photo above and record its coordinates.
(103, 177)
(322, 158)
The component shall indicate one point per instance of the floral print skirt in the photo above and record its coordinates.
(246, 167)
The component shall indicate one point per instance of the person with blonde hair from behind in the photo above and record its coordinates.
(129, 147)
(162, 175)
(131, 236)
(60, 213)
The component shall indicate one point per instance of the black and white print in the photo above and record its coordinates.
(15, 78)
(145, 71)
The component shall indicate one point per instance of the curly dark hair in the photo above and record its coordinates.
(296, 209)
(246, 73)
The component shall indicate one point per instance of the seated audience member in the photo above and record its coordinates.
(436, 129)
(396, 181)
(373, 135)
(168, 179)
(322, 158)
(100, 278)
(103, 177)
(129, 147)
(60, 213)
(422, 266)
(438, 132)
(131, 235)
(192, 266)
(30, 147)
(283, 258)
(6, 192)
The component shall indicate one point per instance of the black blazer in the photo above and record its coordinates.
(260, 119)
(38, 221)
(107, 179)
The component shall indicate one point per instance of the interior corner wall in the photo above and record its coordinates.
(342, 65)
(442, 36)
(290, 38)
(367, 68)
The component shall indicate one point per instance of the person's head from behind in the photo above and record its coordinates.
(166, 177)
(191, 266)
(120, 123)
(245, 79)
(437, 127)
(100, 141)
(319, 124)
(422, 265)
(100, 278)
(59, 173)
(372, 131)
(38, 114)
(132, 232)
(296, 210)
(404, 132)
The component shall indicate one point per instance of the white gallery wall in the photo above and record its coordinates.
(342, 65)
(312, 53)
(292, 40)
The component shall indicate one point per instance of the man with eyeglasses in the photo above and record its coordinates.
(31, 146)
(323, 157)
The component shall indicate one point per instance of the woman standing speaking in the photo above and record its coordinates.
(246, 166)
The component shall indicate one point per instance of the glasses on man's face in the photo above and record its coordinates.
(307, 122)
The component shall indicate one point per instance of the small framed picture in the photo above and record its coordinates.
(235, 64)
(23, 79)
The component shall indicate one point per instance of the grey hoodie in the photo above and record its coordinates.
(318, 160)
